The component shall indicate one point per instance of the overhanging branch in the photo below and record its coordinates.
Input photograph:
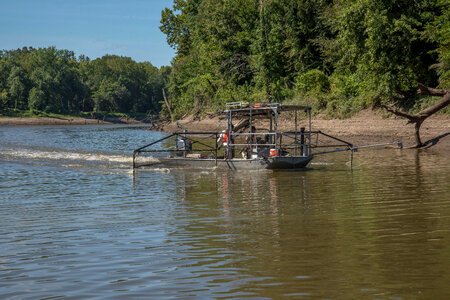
(400, 113)
(418, 118)
(424, 90)
(436, 107)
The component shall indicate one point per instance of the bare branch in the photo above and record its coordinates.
(418, 118)
(436, 107)
(424, 90)
(435, 66)
(399, 113)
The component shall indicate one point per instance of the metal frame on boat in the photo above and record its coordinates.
(262, 148)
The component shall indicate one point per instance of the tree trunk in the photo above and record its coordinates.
(418, 118)
(168, 104)
(417, 134)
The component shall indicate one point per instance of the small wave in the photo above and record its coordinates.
(162, 170)
(66, 155)
(322, 163)
(73, 159)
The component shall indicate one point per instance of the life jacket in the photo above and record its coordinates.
(225, 139)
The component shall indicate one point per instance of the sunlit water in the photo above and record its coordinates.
(76, 223)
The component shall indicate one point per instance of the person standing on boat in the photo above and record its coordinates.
(228, 152)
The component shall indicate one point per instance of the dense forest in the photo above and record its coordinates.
(336, 55)
(54, 81)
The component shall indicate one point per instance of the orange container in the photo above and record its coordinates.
(274, 152)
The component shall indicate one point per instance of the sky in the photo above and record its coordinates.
(90, 27)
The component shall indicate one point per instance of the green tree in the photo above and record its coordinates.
(439, 31)
(17, 88)
(120, 84)
(287, 45)
(232, 50)
(174, 23)
(37, 99)
(40, 98)
(381, 41)
(109, 96)
(55, 81)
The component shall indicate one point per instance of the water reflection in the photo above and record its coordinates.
(376, 231)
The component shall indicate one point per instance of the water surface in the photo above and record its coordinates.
(75, 222)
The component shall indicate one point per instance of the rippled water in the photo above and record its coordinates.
(76, 223)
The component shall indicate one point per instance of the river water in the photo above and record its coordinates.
(75, 222)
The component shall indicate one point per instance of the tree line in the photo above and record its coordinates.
(55, 81)
(337, 55)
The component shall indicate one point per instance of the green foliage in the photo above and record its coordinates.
(313, 81)
(37, 99)
(110, 96)
(335, 55)
(439, 31)
(287, 47)
(3, 99)
(17, 87)
(380, 41)
(51, 80)
(346, 84)
(337, 95)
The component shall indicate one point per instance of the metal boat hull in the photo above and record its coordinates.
(273, 163)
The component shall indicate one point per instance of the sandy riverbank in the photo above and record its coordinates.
(367, 127)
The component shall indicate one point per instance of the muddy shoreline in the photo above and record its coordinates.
(367, 127)
(14, 121)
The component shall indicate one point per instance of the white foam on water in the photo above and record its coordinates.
(322, 163)
(146, 159)
(161, 170)
(65, 155)
(75, 158)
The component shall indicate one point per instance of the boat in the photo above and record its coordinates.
(244, 147)
(273, 163)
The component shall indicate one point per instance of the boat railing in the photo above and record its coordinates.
(185, 144)
(250, 105)
(321, 141)
(295, 143)
(197, 144)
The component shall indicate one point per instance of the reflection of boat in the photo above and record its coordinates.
(244, 146)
